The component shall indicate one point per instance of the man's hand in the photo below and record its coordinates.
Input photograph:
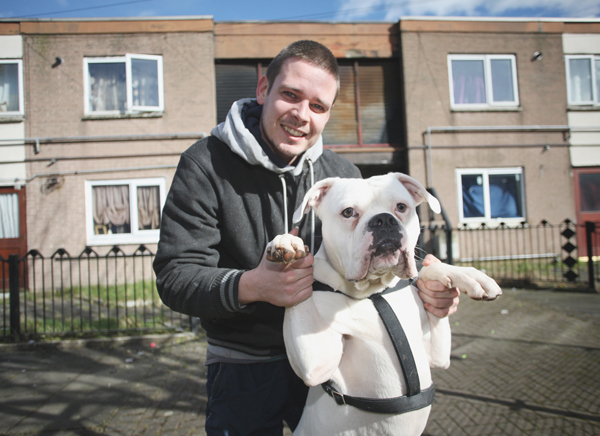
(278, 283)
(437, 298)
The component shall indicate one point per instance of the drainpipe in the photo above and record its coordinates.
(476, 129)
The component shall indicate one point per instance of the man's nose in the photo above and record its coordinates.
(301, 110)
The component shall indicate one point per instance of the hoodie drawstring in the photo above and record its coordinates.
(285, 205)
(312, 212)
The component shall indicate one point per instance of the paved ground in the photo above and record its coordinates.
(527, 364)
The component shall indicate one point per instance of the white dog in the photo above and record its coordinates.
(370, 230)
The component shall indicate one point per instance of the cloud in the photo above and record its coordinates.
(391, 10)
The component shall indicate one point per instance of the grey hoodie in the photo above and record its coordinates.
(228, 199)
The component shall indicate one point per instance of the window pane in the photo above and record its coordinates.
(144, 78)
(468, 81)
(502, 80)
(472, 188)
(107, 87)
(589, 187)
(342, 128)
(580, 80)
(234, 82)
(505, 196)
(9, 216)
(110, 208)
(148, 200)
(9, 88)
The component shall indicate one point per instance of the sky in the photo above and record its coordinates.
(299, 10)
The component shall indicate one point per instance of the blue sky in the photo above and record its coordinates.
(304, 10)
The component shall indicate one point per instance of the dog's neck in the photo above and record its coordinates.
(324, 272)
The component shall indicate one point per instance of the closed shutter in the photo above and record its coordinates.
(234, 81)
(380, 104)
(342, 128)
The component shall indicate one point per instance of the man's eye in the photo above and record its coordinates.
(348, 212)
(401, 207)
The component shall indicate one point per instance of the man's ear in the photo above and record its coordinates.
(261, 89)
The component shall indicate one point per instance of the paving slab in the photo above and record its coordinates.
(526, 364)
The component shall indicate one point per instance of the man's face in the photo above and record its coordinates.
(296, 108)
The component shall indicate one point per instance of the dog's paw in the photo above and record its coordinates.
(286, 249)
(476, 284)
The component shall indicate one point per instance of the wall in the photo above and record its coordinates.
(426, 45)
(55, 109)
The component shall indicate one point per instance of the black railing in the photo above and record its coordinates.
(109, 294)
(525, 255)
(89, 294)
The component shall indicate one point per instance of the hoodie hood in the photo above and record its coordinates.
(235, 133)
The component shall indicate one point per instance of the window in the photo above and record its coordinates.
(119, 85)
(366, 111)
(11, 87)
(491, 195)
(124, 211)
(483, 81)
(583, 80)
(9, 216)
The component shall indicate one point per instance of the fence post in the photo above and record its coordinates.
(590, 228)
(15, 304)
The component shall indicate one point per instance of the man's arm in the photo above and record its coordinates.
(437, 298)
(277, 283)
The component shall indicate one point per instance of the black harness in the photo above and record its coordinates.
(415, 398)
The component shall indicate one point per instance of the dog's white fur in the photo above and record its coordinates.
(340, 336)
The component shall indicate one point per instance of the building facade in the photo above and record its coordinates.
(498, 117)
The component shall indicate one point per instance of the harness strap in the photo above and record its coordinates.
(415, 398)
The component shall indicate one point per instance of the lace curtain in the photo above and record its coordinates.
(9, 216)
(148, 199)
(111, 209)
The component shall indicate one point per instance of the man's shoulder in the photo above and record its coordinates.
(337, 166)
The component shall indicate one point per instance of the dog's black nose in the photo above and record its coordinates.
(383, 221)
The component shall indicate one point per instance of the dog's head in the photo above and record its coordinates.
(370, 226)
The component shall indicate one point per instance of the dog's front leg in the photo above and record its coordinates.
(439, 344)
(313, 347)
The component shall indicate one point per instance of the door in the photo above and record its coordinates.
(13, 227)
(587, 203)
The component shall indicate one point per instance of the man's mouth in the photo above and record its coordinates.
(294, 132)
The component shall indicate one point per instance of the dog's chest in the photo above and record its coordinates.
(366, 343)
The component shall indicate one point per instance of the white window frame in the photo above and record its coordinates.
(136, 236)
(487, 71)
(130, 108)
(593, 59)
(487, 218)
(21, 111)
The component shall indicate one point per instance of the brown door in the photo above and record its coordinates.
(587, 202)
(13, 226)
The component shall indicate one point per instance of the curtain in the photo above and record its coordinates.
(148, 200)
(111, 208)
(9, 216)
(108, 89)
(469, 82)
(9, 88)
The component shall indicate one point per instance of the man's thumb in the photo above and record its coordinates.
(294, 231)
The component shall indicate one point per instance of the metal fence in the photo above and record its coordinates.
(108, 294)
(543, 255)
(88, 294)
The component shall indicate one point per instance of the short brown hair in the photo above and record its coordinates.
(309, 51)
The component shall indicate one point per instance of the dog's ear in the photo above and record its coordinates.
(418, 192)
(313, 197)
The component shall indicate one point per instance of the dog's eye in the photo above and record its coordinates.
(348, 212)
(401, 207)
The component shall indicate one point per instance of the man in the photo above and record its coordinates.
(232, 193)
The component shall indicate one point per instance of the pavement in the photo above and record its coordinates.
(526, 364)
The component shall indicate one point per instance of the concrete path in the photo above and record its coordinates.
(527, 364)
